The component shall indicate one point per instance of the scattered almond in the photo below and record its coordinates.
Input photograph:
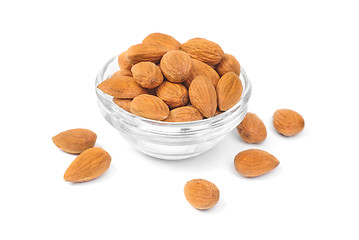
(147, 74)
(203, 96)
(173, 94)
(252, 129)
(123, 63)
(176, 66)
(145, 53)
(75, 140)
(228, 64)
(123, 103)
(201, 194)
(203, 50)
(89, 165)
(229, 91)
(149, 106)
(184, 114)
(288, 122)
(254, 162)
(202, 69)
(162, 39)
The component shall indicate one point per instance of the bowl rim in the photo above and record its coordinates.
(247, 91)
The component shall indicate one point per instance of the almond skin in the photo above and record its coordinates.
(201, 194)
(173, 94)
(288, 122)
(89, 165)
(163, 40)
(252, 129)
(184, 114)
(176, 66)
(202, 95)
(254, 162)
(150, 107)
(145, 53)
(123, 103)
(120, 86)
(123, 63)
(201, 69)
(147, 74)
(229, 91)
(228, 64)
(75, 140)
(203, 50)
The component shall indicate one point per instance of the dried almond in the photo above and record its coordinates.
(202, 95)
(202, 69)
(123, 63)
(173, 94)
(229, 91)
(149, 106)
(254, 162)
(123, 103)
(228, 64)
(252, 129)
(125, 72)
(162, 39)
(147, 74)
(75, 140)
(89, 165)
(288, 122)
(201, 194)
(145, 53)
(184, 114)
(176, 66)
(203, 50)
(120, 86)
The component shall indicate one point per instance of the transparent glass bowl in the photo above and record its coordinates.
(170, 140)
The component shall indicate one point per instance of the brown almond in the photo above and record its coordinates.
(203, 50)
(184, 114)
(254, 162)
(229, 91)
(162, 39)
(202, 95)
(228, 64)
(217, 112)
(145, 53)
(147, 74)
(176, 66)
(123, 63)
(75, 140)
(123, 103)
(125, 72)
(120, 86)
(201, 194)
(252, 129)
(173, 94)
(288, 122)
(89, 165)
(150, 107)
(202, 69)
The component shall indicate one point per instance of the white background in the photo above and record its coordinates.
(302, 55)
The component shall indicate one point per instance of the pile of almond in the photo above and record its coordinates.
(162, 79)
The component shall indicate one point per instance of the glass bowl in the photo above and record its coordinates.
(170, 140)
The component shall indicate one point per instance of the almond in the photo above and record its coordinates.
(147, 74)
(162, 39)
(228, 64)
(217, 112)
(229, 91)
(184, 114)
(173, 94)
(120, 86)
(288, 122)
(123, 63)
(123, 103)
(254, 162)
(201, 69)
(252, 129)
(201, 194)
(125, 72)
(149, 106)
(203, 50)
(203, 96)
(89, 165)
(145, 53)
(176, 66)
(75, 140)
